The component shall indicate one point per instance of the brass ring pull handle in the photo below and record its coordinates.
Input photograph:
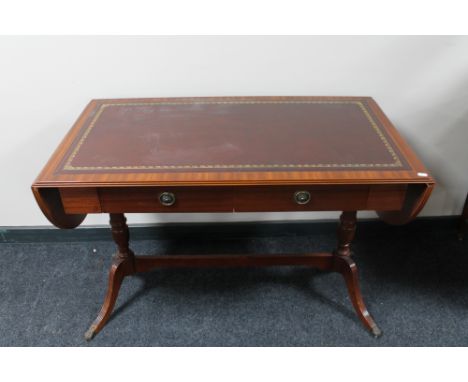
(302, 197)
(167, 199)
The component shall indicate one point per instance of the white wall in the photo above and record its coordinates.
(420, 82)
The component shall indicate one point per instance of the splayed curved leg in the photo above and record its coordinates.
(123, 265)
(344, 265)
(119, 269)
(347, 267)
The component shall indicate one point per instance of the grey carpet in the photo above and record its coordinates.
(415, 286)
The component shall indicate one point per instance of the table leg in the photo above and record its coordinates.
(347, 267)
(123, 264)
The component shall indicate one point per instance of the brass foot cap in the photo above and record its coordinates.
(376, 332)
(89, 334)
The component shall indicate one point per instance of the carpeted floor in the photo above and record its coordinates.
(415, 286)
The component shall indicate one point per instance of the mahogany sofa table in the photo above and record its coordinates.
(235, 154)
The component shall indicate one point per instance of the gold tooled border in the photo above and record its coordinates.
(69, 167)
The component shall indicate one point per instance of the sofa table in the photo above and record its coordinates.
(232, 154)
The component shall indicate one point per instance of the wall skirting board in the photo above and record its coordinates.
(429, 225)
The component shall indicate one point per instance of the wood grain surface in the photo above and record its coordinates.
(232, 141)
(232, 154)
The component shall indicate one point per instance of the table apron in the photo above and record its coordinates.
(383, 197)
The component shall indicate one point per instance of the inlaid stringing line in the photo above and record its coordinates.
(396, 163)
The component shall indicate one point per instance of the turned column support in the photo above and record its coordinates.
(121, 236)
(345, 233)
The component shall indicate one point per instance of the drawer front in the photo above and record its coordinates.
(320, 198)
(301, 198)
(148, 199)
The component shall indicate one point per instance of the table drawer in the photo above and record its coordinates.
(147, 199)
(320, 198)
(317, 198)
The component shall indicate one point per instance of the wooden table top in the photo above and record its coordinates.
(232, 141)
